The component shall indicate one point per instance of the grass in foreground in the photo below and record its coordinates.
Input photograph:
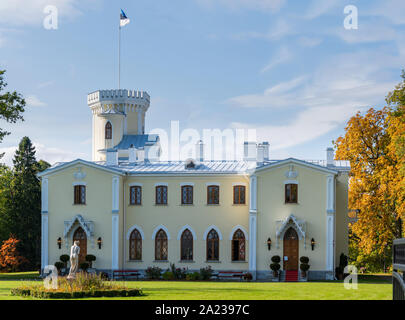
(369, 288)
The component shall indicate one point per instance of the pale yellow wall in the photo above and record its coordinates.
(132, 122)
(98, 208)
(342, 218)
(311, 207)
(199, 216)
(271, 207)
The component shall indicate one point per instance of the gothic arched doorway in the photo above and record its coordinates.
(80, 236)
(290, 250)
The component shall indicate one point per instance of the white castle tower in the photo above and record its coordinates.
(119, 125)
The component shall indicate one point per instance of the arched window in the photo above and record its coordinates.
(291, 193)
(108, 130)
(186, 245)
(212, 246)
(161, 245)
(135, 245)
(238, 246)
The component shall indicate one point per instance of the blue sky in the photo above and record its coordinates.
(286, 68)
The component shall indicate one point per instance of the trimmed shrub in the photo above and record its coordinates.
(248, 276)
(275, 267)
(84, 266)
(64, 258)
(304, 259)
(206, 273)
(59, 265)
(304, 267)
(275, 259)
(90, 258)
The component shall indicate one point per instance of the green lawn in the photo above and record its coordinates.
(369, 288)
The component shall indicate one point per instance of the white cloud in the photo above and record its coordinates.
(321, 7)
(278, 30)
(261, 5)
(309, 42)
(22, 12)
(367, 32)
(49, 154)
(323, 101)
(282, 56)
(33, 101)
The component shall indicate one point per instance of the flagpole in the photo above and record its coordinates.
(119, 57)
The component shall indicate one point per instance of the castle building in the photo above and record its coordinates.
(133, 211)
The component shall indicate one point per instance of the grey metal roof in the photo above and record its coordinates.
(137, 140)
(204, 167)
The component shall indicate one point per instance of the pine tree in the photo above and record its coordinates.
(23, 203)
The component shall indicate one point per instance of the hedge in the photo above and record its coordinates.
(77, 294)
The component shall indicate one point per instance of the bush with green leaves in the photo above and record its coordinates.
(275, 266)
(275, 259)
(84, 266)
(153, 273)
(206, 273)
(304, 266)
(304, 259)
(64, 258)
(179, 273)
(90, 258)
(168, 275)
(59, 265)
(194, 276)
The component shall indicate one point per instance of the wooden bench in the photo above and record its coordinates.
(124, 274)
(230, 274)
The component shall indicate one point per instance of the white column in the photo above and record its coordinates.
(330, 224)
(253, 225)
(44, 240)
(44, 223)
(115, 223)
(115, 241)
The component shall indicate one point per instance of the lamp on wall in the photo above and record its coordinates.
(59, 242)
(312, 244)
(269, 243)
(99, 242)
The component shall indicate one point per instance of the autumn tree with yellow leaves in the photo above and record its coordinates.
(374, 145)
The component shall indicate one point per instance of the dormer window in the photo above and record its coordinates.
(291, 193)
(190, 164)
(108, 130)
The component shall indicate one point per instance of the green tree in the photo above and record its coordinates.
(22, 212)
(12, 106)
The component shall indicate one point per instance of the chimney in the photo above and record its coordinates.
(112, 157)
(260, 154)
(199, 151)
(266, 150)
(330, 156)
(132, 154)
(249, 151)
(140, 154)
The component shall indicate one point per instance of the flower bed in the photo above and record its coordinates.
(84, 286)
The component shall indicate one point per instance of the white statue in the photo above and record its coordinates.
(74, 260)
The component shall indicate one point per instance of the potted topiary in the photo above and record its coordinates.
(304, 266)
(59, 265)
(343, 261)
(275, 266)
(84, 266)
(64, 258)
(248, 276)
(90, 258)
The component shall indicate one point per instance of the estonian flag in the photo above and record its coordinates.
(123, 19)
